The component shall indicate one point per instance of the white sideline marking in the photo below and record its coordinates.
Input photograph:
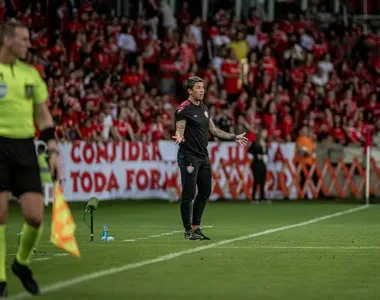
(50, 257)
(74, 281)
(46, 254)
(154, 235)
(47, 257)
(160, 235)
(306, 248)
(41, 258)
(61, 254)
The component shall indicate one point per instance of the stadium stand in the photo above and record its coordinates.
(118, 78)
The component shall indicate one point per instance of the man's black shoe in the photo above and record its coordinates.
(26, 277)
(3, 290)
(189, 235)
(199, 233)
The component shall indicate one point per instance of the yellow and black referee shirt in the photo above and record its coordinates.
(21, 87)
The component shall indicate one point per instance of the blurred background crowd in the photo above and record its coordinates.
(121, 78)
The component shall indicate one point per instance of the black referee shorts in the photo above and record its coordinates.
(195, 172)
(19, 169)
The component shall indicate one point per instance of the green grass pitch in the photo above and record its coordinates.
(337, 258)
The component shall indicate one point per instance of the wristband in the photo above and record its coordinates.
(47, 134)
(234, 137)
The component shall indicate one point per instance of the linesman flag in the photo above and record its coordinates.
(63, 226)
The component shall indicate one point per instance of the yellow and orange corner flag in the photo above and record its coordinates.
(63, 226)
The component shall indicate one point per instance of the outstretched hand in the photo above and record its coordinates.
(178, 139)
(241, 140)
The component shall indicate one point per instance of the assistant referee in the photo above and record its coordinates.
(193, 125)
(22, 105)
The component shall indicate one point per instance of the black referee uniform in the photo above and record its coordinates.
(194, 162)
(259, 168)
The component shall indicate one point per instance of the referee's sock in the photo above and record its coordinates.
(29, 239)
(3, 249)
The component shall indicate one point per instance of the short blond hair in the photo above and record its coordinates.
(8, 29)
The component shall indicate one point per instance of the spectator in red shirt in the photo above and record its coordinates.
(372, 109)
(122, 129)
(309, 67)
(253, 70)
(157, 129)
(297, 74)
(270, 63)
(287, 123)
(151, 48)
(89, 131)
(337, 131)
(70, 123)
(142, 132)
(231, 74)
(353, 133)
(131, 78)
(76, 47)
(269, 118)
(168, 71)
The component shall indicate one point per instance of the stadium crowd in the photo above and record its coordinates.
(119, 78)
